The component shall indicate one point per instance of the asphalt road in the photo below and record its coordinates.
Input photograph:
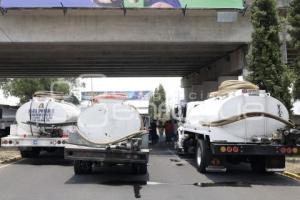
(169, 177)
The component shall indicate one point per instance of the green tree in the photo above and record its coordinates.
(264, 61)
(24, 88)
(157, 103)
(294, 21)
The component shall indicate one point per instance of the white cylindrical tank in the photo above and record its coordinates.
(44, 110)
(236, 104)
(47, 111)
(109, 120)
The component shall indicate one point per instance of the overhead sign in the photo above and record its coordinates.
(131, 95)
(170, 4)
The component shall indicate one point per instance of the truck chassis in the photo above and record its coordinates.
(215, 156)
(84, 157)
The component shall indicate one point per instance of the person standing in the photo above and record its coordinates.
(169, 131)
(153, 132)
(161, 129)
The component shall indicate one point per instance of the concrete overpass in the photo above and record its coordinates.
(194, 44)
(142, 43)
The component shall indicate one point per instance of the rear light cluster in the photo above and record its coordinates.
(230, 149)
(58, 142)
(288, 150)
(9, 142)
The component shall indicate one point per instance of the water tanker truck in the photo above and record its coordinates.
(42, 124)
(109, 132)
(238, 123)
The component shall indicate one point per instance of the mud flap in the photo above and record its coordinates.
(216, 163)
(275, 163)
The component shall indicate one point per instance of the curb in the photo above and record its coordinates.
(10, 160)
(291, 175)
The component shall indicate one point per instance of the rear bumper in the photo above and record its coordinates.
(254, 149)
(76, 152)
(32, 142)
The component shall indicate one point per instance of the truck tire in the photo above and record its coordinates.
(33, 153)
(201, 156)
(139, 168)
(82, 167)
(26, 154)
(258, 164)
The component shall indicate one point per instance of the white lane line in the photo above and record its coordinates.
(6, 165)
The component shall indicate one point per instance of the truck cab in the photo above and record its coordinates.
(7, 117)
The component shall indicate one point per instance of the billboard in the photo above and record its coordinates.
(131, 95)
(166, 4)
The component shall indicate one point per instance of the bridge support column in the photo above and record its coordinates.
(186, 84)
(208, 87)
(197, 92)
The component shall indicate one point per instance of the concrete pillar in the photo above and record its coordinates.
(225, 78)
(197, 91)
(232, 64)
(208, 87)
(186, 84)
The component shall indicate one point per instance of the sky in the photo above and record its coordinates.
(12, 101)
(174, 92)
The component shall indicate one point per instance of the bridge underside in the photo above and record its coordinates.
(140, 59)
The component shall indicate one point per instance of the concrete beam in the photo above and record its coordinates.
(81, 26)
(229, 65)
(197, 91)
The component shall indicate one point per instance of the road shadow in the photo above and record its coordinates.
(114, 176)
(161, 149)
(242, 174)
(46, 158)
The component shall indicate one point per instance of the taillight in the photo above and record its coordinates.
(282, 150)
(10, 142)
(235, 149)
(4, 141)
(223, 149)
(295, 150)
(289, 150)
(229, 149)
(58, 142)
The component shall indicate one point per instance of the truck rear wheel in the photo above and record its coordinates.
(258, 164)
(139, 168)
(82, 167)
(201, 156)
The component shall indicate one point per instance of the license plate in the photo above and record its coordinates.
(35, 142)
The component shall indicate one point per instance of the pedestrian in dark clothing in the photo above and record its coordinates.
(153, 132)
(169, 131)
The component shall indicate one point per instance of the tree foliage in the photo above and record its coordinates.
(157, 104)
(294, 21)
(24, 88)
(264, 61)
